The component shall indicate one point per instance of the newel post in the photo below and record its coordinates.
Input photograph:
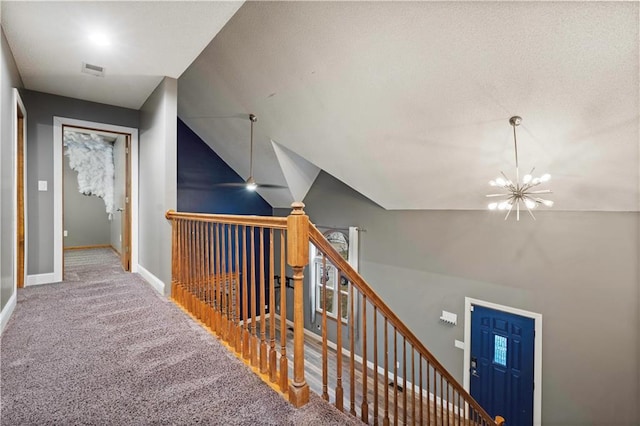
(298, 258)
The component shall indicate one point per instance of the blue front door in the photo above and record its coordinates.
(502, 353)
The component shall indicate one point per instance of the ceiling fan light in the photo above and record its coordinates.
(493, 183)
(251, 184)
(530, 203)
(501, 182)
(493, 206)
(545, 177)
(547, 203)
(527, 178)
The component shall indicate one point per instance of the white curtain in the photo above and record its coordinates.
(92, 157)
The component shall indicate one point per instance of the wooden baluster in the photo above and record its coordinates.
(441, 399)
(212, 277)
(420, 388)
(229, 286)
(201, 313)
(325, 354)
(219, 278)
(364, 408)
(298, 258)
(223, 284)
(246, 353)
(284, 365)
(339, 390)
(429, 393)
(447, 400)
(375, 365)
(413, 386)
(175, 289)
(207, 275)
(174, 256)
(190, 270)
(263, 313)
(405, 407)
(183, 257)
(236, 280)
(395, 375)
(273, 373)
(215, 240)
(352, 346)
(385, 420)
(254, 302)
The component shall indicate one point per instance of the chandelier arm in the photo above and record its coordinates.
(530, 212)
(497, 195)
(518, 210)
(541, 191)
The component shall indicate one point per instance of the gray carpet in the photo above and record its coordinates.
(104, 348)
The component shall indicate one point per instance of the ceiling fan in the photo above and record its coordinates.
(250, 184)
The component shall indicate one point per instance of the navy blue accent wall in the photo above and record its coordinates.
(199, 169)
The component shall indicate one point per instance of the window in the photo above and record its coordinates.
(500, 350)
(337, 287)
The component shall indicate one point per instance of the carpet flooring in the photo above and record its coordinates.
(103, 348)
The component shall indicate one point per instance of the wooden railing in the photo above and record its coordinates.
(229, 272)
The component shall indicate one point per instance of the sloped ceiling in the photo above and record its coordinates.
(147, 41)
(408, 103)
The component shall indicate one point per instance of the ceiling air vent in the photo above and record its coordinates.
(92, 69)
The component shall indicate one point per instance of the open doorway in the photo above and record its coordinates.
(117, 213)
(97, 191)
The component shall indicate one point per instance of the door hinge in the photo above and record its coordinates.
(126, 200)
(126, 150)
(471, 308)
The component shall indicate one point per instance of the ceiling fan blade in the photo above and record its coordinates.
(268, 185)
(230, 184)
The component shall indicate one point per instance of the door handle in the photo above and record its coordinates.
(474, 373)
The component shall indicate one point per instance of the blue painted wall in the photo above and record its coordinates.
(199, 169)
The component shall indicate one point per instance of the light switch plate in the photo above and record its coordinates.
(458, 344)
(42, 185)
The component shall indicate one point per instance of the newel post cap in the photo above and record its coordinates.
(298, 208)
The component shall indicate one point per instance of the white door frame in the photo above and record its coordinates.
(537, 343)
(58, 123)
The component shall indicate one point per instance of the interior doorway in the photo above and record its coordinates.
(97, 191)
(123, 239)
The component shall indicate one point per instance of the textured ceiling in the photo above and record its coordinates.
(149, 40)
(408, 103)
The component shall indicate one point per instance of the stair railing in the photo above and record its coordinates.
(224, 270)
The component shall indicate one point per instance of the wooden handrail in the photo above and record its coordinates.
(219, 276)
(356, 279)
(229, 219)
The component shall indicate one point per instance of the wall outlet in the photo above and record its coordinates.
(42, 185)
(65, 233)
(318, 326)
(397, 364)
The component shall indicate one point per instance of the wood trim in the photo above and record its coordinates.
(399, 327)
(20, 222)
(259, 221)
(93, 246)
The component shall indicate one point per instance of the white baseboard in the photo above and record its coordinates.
(154, 281)
(38, 279)
(5, 314)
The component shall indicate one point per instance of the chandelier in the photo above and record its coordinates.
(519, 194)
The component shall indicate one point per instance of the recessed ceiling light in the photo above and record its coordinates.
(100, 39)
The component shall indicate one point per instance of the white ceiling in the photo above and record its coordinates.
(149, 40)
(406, 102)
(409, 103)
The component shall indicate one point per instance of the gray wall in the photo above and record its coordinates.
(85, 218)
(9, 78)
(579, 270)
(41, 108)
(158, 179)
